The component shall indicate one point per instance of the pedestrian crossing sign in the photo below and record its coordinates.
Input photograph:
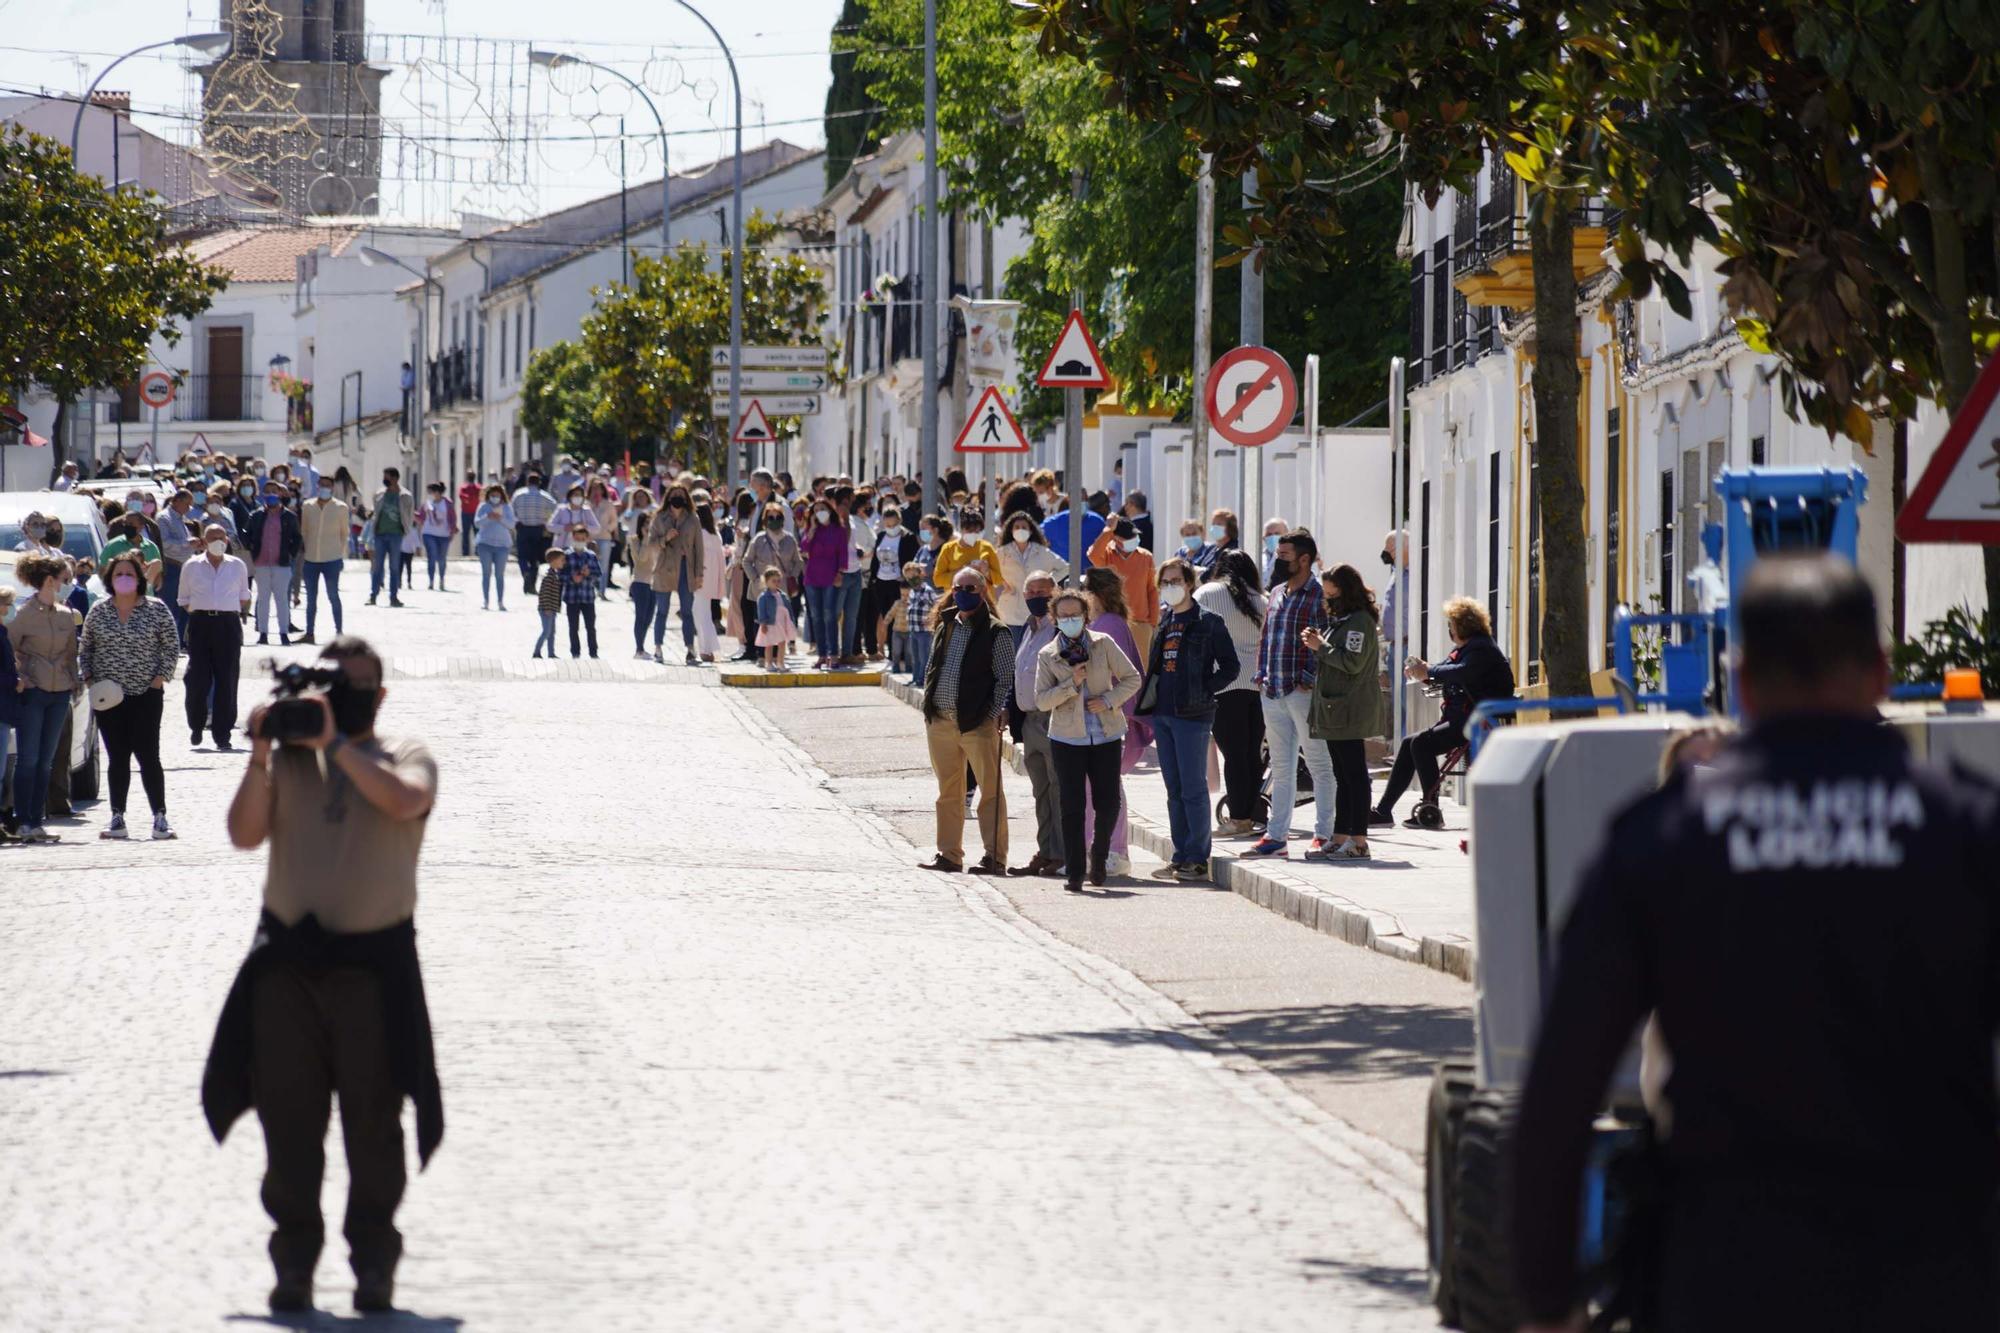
(991, 429)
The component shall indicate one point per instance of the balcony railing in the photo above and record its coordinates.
(218, 398)
(1503, 229)
(454, 378)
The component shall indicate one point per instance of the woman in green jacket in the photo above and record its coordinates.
(1347, 703)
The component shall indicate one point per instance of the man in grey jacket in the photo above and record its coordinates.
(1038, 590)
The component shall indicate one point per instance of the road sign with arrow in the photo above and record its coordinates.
(772, 381)
(777, 404)
(771, 358)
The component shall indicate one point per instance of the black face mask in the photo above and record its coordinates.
(1388, 559)
(1038, 607)
(1281, 571)
(774, 524)
(353, 708)
(677, 503)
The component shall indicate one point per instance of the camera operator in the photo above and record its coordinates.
(331, 998)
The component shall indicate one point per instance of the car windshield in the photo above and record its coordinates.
(76, 540)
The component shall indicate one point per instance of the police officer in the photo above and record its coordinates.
(1814, 919)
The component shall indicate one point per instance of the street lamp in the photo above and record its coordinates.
(202, 43)
(555, 60)
(736, 268)
(372, 257)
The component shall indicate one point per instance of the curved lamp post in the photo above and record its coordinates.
(203, 43)
(555, 60)
(729, 474)
(372, 257)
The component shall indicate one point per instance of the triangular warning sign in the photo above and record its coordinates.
(1074, 362)
(1958, 497)
(755, 428)
(991, 429)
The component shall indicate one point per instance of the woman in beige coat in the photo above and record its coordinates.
(1082, 680)
(672, 560)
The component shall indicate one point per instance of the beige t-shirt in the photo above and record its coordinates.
(335, 855)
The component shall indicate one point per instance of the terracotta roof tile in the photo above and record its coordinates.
(267, 254)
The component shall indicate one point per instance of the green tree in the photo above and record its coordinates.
(850, 124)
(1015, 128)
(1305, 95)
(88, 277)
(648, 344)
(1851, 146)
(559, 398)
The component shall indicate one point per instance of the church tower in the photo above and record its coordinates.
(296, 105)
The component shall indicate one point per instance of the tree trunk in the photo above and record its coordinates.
(1566, 597)
(58, 445)
(1958, 361)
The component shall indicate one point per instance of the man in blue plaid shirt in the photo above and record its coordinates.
(583, 578)
(1286, 670)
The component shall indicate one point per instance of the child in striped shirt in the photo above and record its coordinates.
(549, 600)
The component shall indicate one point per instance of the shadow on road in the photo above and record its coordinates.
(396, 1321)
(1363, 1041)
(1411, 1282)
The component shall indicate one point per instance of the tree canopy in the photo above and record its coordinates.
(88, 277)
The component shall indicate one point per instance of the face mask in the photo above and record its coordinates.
(970, 536)
(1038, 607)
(218, 548)
(1191, 542)
(965, 599)
(273, 501)
(1020, 536)
(1071, 626)
(1388, 559)
(1173, 594)
(576, 502)
(353, 708)
(1130, 544)
(774, 524)
(929, 537)
(125, 584)
(63, 591)
(1217, 533)
(891, 523)
(1271, 542)
(1281, 572)
(823, 515)
(149, 508)
(246, 492)
(677, 503)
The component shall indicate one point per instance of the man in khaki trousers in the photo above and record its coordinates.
(965, 706)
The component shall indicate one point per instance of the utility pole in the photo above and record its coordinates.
(929, 309)
(1073, 441)
(1251, 308)
(1204, 316)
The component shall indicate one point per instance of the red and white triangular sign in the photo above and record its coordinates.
(1074, 362)
(991, 429)
(1958, 497)
(755, 428)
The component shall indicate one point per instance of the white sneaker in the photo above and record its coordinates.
(161, 830)
(642, 656)
(116, 828)
(36, 833)
(1115, 864)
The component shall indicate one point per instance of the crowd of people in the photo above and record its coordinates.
(1266, 654)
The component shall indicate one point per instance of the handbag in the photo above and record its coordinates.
(106, 694)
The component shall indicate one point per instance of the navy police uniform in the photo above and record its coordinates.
(1814, 921)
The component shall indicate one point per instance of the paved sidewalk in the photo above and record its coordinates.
(1412, 901)
(714, 1055)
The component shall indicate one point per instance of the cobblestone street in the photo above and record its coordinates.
(714, 1056)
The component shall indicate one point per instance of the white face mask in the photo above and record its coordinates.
(970, 536)
(1130, 544)
(1173, 594)
(218, 548)
(823, 515)
(1020, 536)
(580, 544)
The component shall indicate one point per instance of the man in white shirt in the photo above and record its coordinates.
(67, 480)
(215, 592)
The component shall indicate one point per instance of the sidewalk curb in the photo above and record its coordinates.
(1269, 885)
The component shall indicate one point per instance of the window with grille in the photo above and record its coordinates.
(1667, 598)
(1493, 540)
(1534, 620)
(1614, 516)
(1441, 293)
(1424, 576)
(1419, 288)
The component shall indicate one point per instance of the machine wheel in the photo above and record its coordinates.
(1262, 817)
(1485, 1256)
(1451, 1089)
(1430, 815)
(83, 782)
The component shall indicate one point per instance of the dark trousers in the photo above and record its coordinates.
(59, 773)
(465, 532)
(1350, 787)
(1757, 1255)
(215, 657)
(132, 731)
(531, 544)
(1094, 766)
(170, 592)
(747, 608)
(314, 1034)
(1239, 735)
(1419, 755)
(585, 612)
